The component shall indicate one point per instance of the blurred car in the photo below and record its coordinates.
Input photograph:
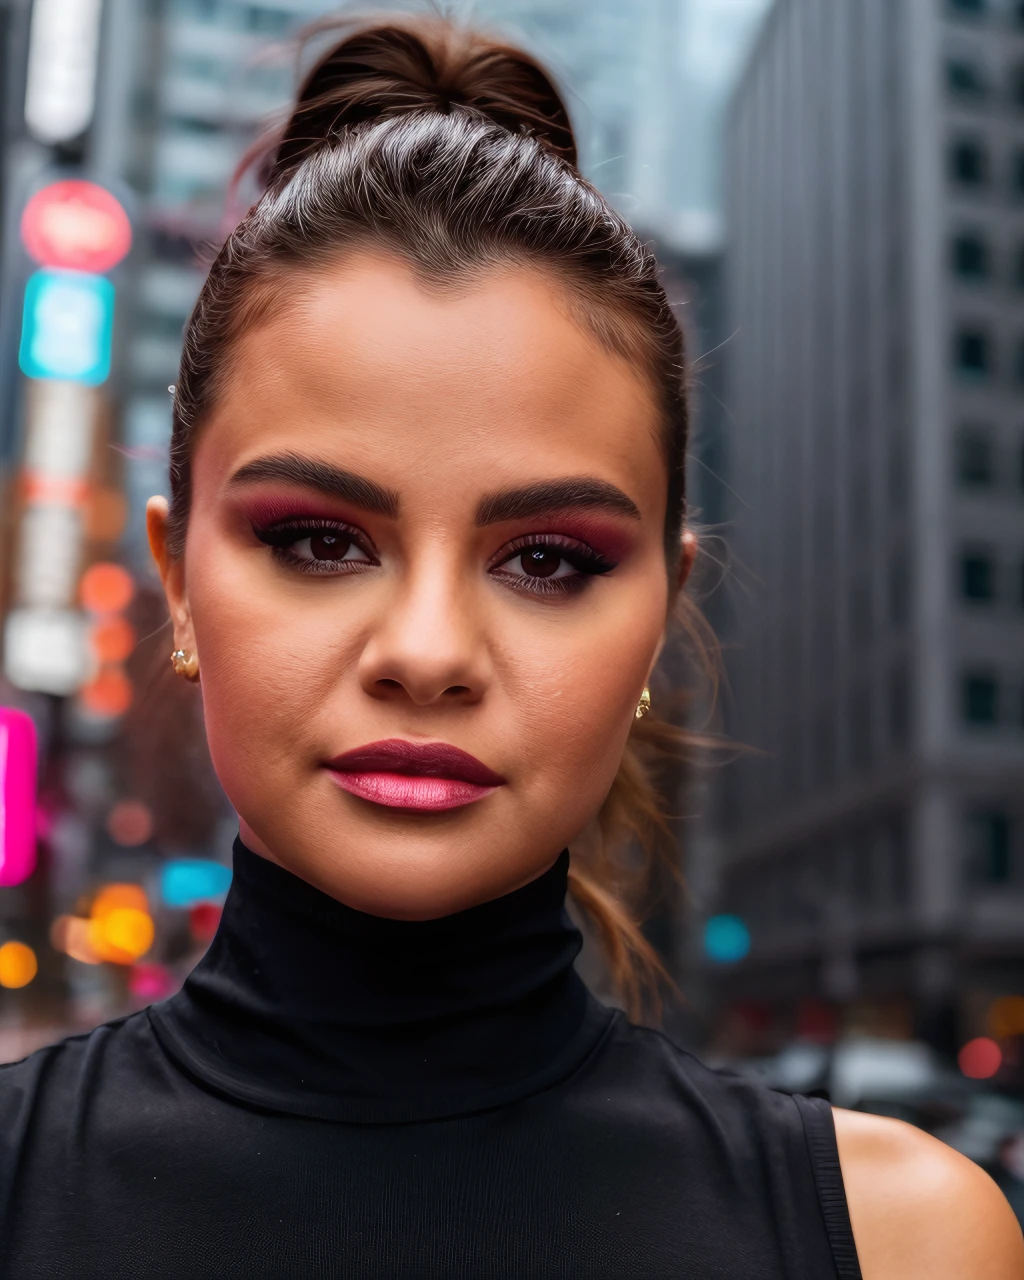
(908, 1081)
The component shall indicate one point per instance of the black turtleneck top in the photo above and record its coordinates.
(337, 1095)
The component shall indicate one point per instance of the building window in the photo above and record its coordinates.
(980, 698)
(970, 256)
(968, 7)
(989, 841)
(192, 126)
(899, 591)
(205, 10)
(269, 21)
(174, 246)
(972, 354)
(977, 575)
(899, 707)
(965, 79)
(861, 621)
(899, 860)
(196, 66)
(968, 163)
(974, 457)
(898, 463)
(859, 723)
(161, 326)
(824, 736)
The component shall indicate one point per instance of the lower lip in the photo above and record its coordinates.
(409, 791)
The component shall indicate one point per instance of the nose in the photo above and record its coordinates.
(428, 645)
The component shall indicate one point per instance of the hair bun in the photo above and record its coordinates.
(420, 64)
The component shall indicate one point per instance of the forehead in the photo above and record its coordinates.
(472, 387)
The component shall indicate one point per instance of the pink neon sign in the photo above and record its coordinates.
(17, 796)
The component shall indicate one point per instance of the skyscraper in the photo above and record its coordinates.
(209, 74)
(874, 842)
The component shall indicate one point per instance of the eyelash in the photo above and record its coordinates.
(587, 563)
(280, 538)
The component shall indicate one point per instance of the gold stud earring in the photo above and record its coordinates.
(644, 705)
(185, 663)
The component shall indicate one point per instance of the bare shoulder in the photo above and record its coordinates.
(920, 1209)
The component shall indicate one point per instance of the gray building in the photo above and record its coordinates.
(873, 837)
(202, 77)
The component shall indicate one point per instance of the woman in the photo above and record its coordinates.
(426, 528)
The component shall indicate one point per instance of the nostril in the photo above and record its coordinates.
(390, 684)
(456, 689)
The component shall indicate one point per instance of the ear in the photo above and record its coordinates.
(172, 574)
(687, 558)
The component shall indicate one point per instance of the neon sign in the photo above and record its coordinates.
(67, 327)
(77, 226)
(17, 796)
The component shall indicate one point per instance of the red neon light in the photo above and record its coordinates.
(57, 491)
(76, 226)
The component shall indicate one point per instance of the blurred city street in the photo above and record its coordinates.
(836, 194)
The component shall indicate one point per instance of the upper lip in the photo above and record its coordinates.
(419, 759)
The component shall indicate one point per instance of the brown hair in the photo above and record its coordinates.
(456, 153)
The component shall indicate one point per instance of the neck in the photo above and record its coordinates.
(305, 1005)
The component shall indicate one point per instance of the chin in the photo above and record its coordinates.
(406, 865)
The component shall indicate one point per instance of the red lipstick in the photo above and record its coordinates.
(424, 776)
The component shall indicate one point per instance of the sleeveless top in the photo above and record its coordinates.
(337, 1095)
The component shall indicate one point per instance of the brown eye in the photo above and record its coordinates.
(549, 568)
(540, 562)
(329, 544)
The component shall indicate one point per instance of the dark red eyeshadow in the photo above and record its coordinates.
(608, 538)
(264, 510)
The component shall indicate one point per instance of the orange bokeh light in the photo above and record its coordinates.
(102, 949)
(108, 695)
(18, 965)
(70, 934)
(114, 896)
(121, 928)
(59, 932)
(106, 588)
(112, 639)
(1006, 1017)
(122, 936)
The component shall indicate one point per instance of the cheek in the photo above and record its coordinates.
(577, 698)
(266, 661)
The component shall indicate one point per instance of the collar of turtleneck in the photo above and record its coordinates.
(306, 1006)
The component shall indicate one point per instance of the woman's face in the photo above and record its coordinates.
(421, 520)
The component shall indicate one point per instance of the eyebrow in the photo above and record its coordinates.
(311, 473)
(555, 495)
